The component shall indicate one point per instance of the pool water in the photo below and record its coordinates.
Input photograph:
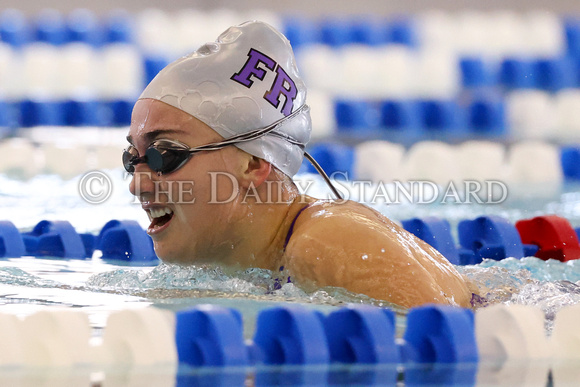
(98, 287)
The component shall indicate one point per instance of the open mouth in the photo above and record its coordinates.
(160, 217)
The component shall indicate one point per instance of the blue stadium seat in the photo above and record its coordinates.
(554, 74)
(370, 32)
(80, 112)
(41, 113)
(15, 29)
(400, 115)
(486, 115)
(402, 31)
(333, 158)
(301, 31)
(119, 28)
(83, 26)
(476, 72)
(50, 27)
(120, 112)
(572, 30)
(441, 116)
(153, 65)
(355, 115)
(517, 73)
(570, 158)
(335, 32)
(9, 113)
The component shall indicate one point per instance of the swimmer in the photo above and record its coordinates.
(214, 142)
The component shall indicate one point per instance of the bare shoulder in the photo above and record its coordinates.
(353, 246)
(347, 223)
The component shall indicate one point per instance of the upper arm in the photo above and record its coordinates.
(378, 259)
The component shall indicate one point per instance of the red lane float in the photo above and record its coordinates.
(554, 235)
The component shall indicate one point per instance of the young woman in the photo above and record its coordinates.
(214, 142)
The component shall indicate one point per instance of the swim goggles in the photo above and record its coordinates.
(166, 156)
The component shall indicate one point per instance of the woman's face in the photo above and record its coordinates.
(191, 209)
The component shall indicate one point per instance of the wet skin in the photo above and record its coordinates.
(240, 220)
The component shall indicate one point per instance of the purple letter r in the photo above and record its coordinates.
(283, 84)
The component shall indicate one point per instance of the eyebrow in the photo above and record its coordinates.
(149, 137)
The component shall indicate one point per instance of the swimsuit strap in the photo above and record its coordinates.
(291, 229)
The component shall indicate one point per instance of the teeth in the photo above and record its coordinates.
(159, 212)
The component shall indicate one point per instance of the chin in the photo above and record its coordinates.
(169, 255)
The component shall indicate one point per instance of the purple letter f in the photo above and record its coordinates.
(251, 68)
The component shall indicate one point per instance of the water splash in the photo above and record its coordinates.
(548, 285)
(175, 281)
(16, 276)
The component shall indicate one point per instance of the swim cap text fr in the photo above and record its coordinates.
(282, 84)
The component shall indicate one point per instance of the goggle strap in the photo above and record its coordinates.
(323, 174)
(249, 136)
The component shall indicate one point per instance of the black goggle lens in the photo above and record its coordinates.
(162, 160)
(166, 160)
(130, 158)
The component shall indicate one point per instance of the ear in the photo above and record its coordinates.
(256, 172)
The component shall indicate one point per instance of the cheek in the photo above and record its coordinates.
(213, 179)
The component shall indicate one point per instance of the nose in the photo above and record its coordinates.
(142, 181)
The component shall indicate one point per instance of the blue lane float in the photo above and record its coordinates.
(437, 233)
(120, 241)
(125, 240)
(363, 334)
(54, 239)
(11, 242)
(291, 336)
(210, 336)
(492, 237)
(440, 334)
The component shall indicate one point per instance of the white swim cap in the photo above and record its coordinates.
(244, 81)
